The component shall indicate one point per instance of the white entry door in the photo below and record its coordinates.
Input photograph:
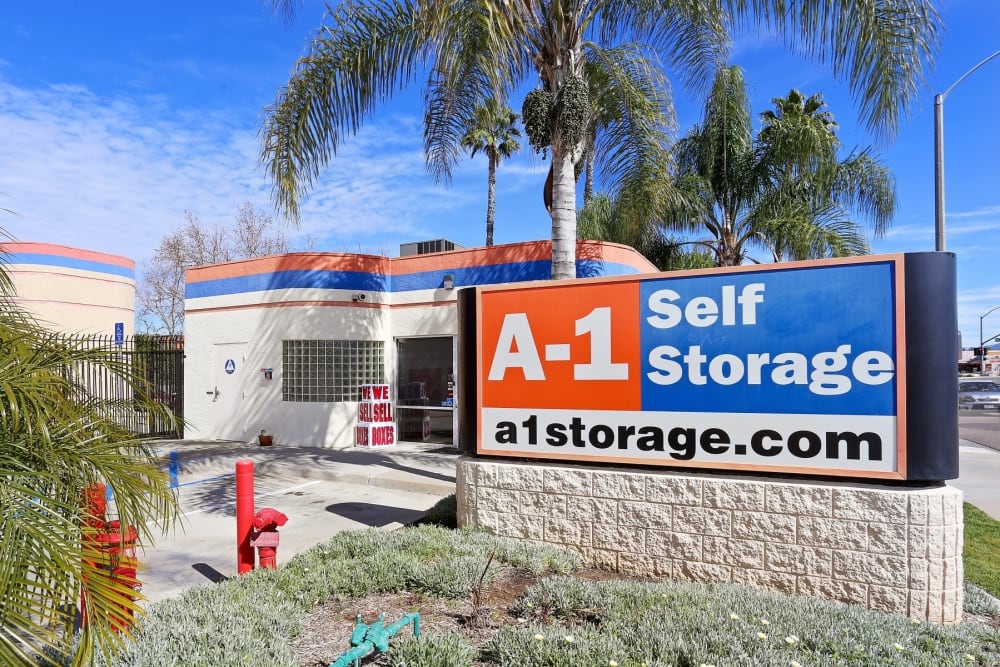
(229, 374)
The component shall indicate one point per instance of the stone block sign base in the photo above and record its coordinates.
(893, 549)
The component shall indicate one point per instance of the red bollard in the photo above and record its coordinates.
(266, 521)
(109, 551)
(245, 556)
(95, 506)
(118, 547)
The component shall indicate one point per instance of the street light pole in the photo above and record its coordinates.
(939, 155)
(982, 343)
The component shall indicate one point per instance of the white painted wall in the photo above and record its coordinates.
(247, 404)
(258, 403)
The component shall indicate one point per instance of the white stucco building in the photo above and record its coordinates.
(282, 343)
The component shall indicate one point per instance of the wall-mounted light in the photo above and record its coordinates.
(449, 281)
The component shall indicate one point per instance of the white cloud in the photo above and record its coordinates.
(976, 308)
(983, 212)
(908, 232)
(117, 174)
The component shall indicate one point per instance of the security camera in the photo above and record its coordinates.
(359, 296)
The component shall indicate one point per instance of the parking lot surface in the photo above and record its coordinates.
(321, 491)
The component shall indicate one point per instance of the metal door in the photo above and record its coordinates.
(229, 390)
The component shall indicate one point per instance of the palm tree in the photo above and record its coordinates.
(59, 437)
(785, 190)
(491, 130)
(798, 141)
(630, 123)
(477, 50)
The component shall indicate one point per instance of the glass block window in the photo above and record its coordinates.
(329, 371)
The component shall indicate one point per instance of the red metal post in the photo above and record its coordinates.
(245, 556)
(95, 507)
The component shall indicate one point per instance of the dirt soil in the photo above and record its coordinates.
(328, 628)
(327, 631)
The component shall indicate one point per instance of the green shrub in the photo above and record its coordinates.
(680, 623)
(240, 622)
(555, 646)
(447, 650)
(980, 602)
(251, 620)
(443, 513)
(455, 577)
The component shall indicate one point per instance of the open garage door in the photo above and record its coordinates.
(425, 389)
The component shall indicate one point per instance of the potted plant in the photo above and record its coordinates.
(265, 439)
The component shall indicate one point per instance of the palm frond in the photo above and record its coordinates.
(880, 48)
(692, 36)
(370, 51)
(634, 117)
(865, 185)
(59, 438)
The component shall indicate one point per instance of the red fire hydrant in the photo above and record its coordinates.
(266, 522)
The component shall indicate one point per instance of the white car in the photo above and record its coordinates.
(978, 394)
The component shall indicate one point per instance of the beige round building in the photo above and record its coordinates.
(72, 290)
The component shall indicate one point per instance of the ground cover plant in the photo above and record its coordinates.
(486, 600)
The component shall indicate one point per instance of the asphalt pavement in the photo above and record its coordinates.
(979, 459)
(978, 476)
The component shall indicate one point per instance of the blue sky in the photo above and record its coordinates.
(117, 117)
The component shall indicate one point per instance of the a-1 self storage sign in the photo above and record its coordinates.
(796, 367)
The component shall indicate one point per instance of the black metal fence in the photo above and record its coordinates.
(157, 362)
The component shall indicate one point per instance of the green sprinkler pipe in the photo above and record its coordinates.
(369, 638)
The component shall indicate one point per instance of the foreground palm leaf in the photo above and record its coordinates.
(473, 50)
(56, 438)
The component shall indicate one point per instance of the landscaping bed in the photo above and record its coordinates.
(484, 600)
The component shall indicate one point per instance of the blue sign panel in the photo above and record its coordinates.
(230, 366)
(820, 340)
(119, 333)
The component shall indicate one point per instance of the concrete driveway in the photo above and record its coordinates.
(323, 492)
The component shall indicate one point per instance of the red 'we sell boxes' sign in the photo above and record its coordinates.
(376, 424)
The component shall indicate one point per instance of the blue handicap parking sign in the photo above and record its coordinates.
(230, 366)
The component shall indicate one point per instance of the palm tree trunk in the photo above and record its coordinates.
(588, 180)
(491, 200)
(729, 255)
(563, 216)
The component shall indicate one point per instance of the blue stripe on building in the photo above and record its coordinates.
(295, 279)
(70, 263)
(491, 274)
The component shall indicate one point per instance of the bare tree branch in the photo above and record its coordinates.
(160, 291)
